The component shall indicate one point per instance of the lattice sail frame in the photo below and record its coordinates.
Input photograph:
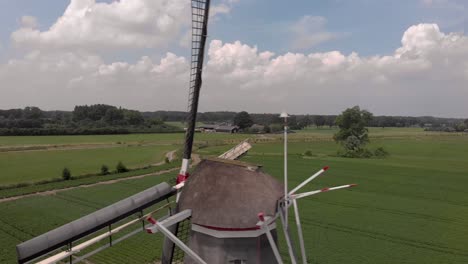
(200, 14)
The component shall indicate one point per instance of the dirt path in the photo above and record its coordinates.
(170, 155)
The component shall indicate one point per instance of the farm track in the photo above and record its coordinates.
(195, 157)
(390, 238)
(169, 155)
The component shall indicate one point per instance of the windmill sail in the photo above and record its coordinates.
(200, 14)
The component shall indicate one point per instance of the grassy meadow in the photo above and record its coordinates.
(163, 138)
(33, 166)
(411, 207)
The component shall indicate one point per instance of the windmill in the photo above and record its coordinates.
(226, 210)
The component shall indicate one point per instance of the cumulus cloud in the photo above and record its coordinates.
(310, 31)
(61, 80)
(127, 23)
(224, 7)
(94, 26)
(427, 75)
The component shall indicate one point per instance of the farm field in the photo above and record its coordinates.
(163, 138)
(414, 202)
(172, 138)
(33, 166)
(22, 219)
(411, 207)
(86, 154)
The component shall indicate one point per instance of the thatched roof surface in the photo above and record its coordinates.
(229, 194)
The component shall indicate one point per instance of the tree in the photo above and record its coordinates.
(32, 112)
(133, 117)
(113, 115)
(319, 120)
(275, 119)
(305, 122)
(292, 123)
(104, 170)
(330, 121)
(66, 174)
(353, 122)
(353, 134)
(460, 127)
(121, 167)
(243, 120)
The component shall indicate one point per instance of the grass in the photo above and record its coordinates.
(86, 180)
(33, 166)
(23, 220)
(170, 138)
(411, 207)
(166, 138)
(413, 202)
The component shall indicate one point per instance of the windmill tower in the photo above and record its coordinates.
(226, 210)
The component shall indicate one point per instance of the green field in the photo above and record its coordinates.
(167, 138)
(411, 207)
(22, 219)
(33, 166)
(414, 202)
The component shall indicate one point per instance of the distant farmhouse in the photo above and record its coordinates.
(218, 129)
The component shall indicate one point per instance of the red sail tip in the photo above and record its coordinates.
(325, 168)
(182, 178)
(352, 185)
(261, 216)
(151, 220)
(325, 189)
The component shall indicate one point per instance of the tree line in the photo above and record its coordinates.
(108, 119)
(83, 120)
(273, 122)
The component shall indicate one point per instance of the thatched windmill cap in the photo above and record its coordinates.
(225, 194)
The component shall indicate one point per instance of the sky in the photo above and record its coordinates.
(391, 57)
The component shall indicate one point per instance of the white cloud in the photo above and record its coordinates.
(28, 22)
(89, 25)
(97, 26)
(310, 31)
(427, 75)
(224, 7)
